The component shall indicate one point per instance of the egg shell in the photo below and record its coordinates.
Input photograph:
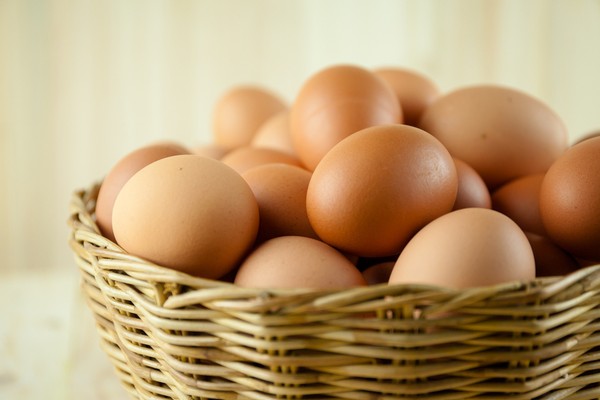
(297, 262)
(244, 158)
(210, 150)
(275, 133)
(333, 104)
(570, 200)
(587, 136)
(550, 260)
(120, 173)
(240, 111)
(466, 248)
(280, 191)
(189, 213)
(377, 187)
(415, 91)
(379, 273)
(472, 190)
(519, 199)
(501, 132)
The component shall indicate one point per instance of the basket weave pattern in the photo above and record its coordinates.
(173, 336)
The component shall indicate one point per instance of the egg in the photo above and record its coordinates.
(550, 260)
(378, 273)
(211, 150)
(519, 199)
(280, 191)
(333, 104)
(275, 133)
(241, 111)
(120, 173)
(570, 200)
(377, 187)
(466, 248)
(244, 158)
(190, 213)
(587, 136)
(297, 262)
(501, 132)
(472, 190)
(415, 91)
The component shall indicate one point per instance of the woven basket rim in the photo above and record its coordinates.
(87, 229)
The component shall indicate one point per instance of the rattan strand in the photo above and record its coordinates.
(173, 336)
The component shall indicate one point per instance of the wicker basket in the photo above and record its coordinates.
(170, 335)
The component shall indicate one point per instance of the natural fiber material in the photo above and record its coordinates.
(170, 335)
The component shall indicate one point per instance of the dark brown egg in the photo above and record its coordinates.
(519, 199)
(379, 273)
(333, 104)
(550, 260)
(376, 188)
(472, 191)
(501, 132)
(570, 200)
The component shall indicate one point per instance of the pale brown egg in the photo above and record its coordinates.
(501, 132)
(280, 191)
(189, 213)
(244, 158)
(472, 190)
(333, 104)
(376, 188)
(466, 248)
(240, 112)
(120, 173)
(570, 200)
(210, 150)
(274, 133)
(297, 262)
(519, 199)
(414, 90)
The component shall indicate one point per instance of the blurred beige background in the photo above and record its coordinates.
(83, 82)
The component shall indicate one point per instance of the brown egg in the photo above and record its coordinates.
(570, 200)
(274, 133)
(378, 273)
(333, 104)
(550, 260)
(519, 199)
(466, 248)
(501, 132)
(377, 187)
(587, 136)
(472, 191)
(120, 173)
(240, 112)
(280, 191)
(189, 213)
(414, 90)
(244, 158)
(211, 150)
(297, 262)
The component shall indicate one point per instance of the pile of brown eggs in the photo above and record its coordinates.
(368, 177)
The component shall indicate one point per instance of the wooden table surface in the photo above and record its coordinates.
(49, 348)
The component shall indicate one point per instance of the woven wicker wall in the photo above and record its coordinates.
(83, 82)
